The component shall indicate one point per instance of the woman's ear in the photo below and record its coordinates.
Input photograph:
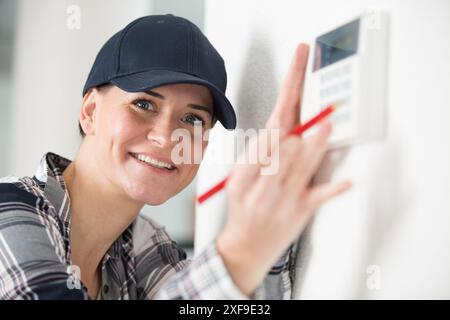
(87, 112)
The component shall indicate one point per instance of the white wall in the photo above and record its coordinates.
(397, 216)
(50, 66)
(7, 23)
(4, 100)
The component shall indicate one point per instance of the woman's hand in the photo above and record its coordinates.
(268, 212)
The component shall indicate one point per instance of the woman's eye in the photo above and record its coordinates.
(144, 104)
(193, 119)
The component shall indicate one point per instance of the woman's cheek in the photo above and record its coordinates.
(123, 124)
(188, 173)
(127, 128)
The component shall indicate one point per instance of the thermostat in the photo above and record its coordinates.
(347, 67)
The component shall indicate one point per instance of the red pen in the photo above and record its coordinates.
(299, 129)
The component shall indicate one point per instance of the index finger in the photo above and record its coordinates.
(286, 113)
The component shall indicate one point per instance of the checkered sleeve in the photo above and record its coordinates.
(206, 277)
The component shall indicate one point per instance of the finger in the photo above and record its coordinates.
(309, 159)
(286, 113)
(320, 194)
(247, 168)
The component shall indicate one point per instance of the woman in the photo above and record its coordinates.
(79, 220)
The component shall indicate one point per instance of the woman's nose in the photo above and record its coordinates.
(161, 132)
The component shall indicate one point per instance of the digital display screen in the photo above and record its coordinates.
(336, 45)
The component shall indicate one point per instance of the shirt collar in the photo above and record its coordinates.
(50, 174)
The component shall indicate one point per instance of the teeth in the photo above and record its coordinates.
(153, 162)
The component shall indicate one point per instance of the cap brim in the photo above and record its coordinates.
(146, 80)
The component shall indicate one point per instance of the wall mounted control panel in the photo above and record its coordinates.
(348, 67)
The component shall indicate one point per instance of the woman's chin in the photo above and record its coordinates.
(155, 202)
(152, 200)
(142, 195)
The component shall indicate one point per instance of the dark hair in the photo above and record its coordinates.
(103, 86)
(80, 129)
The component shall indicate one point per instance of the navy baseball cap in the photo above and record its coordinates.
(158, 50)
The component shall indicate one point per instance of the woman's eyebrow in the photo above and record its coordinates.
(198, 107)
(154, 94)
(191, 105)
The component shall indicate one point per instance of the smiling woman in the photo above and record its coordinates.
(131, 133)
(74, 231)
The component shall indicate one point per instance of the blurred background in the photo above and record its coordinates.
(46, 51)
(388, 238)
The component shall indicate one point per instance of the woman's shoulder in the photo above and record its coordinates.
(17, 190)
(25, 194)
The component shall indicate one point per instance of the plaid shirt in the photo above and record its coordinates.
(143, 263)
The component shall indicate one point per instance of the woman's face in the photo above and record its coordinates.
(132, 143)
